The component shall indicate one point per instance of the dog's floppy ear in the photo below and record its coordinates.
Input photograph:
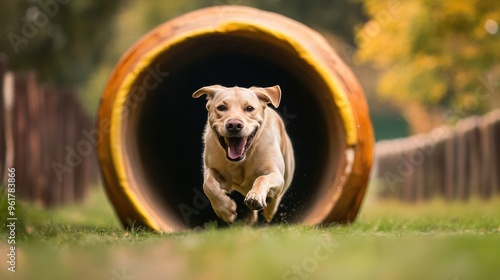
(208, 90)
(269, 94)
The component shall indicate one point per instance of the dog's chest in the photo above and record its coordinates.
(236, 173)
(240, 178)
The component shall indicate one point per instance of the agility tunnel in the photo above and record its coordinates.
(150, 147)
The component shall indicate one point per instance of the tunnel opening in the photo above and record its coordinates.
(162, 133)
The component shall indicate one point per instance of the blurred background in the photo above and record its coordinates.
(424, 68)
(431, 74)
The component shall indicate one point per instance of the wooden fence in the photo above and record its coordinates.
(44, 136)
(451, 162)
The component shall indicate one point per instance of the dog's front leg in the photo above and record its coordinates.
(222, 204)
(266, 186)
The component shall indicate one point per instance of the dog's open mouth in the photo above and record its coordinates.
(236, 147)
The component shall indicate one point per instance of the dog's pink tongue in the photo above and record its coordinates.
(236, 147)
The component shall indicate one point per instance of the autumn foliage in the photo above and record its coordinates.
(440, 56)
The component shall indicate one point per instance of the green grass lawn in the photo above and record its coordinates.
(390, 240)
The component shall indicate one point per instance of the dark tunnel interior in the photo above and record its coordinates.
(170, 123)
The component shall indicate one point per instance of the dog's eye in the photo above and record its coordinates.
(221, 108)
(249, 109)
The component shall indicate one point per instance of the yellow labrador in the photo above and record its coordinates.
(246, 149)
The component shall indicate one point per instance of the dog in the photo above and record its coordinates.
(247, 149)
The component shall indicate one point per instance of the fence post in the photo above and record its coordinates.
(494, 128)
(55, 151)
(33, 163)
(20, 135)
(3, 113)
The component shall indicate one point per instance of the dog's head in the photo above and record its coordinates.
(235, 115)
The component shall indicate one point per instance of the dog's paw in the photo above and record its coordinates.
(227, 211)
(250, 217)
(270, 210)
(255, 201)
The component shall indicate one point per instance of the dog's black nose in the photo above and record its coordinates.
(234, 126)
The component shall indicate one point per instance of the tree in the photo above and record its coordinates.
(439, 58)
(62, 39)
(339, 17)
